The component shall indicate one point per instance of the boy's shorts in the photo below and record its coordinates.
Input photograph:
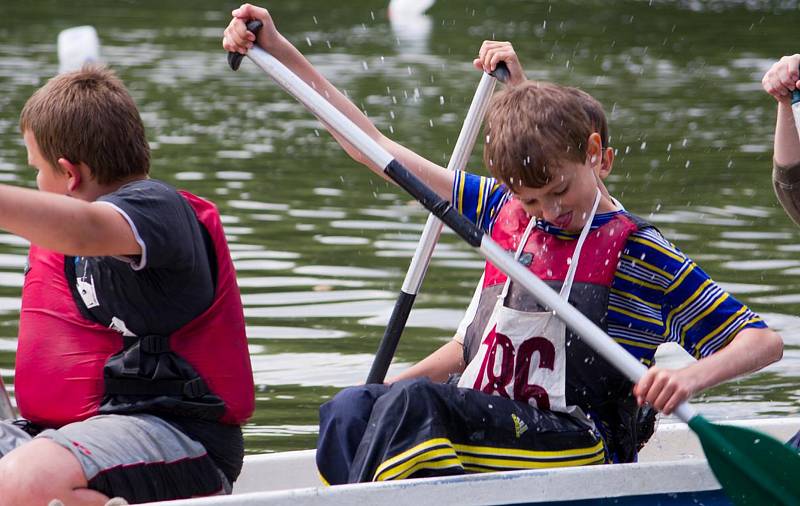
(141, 458)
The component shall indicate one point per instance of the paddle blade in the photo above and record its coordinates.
(752, 468)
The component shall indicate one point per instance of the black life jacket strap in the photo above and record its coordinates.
(192, 389)
(151, 343)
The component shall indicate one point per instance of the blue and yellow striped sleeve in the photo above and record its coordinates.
(478, 198)
(660, 295)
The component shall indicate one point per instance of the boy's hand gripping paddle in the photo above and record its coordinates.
(752, 467)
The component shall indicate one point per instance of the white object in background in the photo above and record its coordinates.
(77, 46)
(410, 25)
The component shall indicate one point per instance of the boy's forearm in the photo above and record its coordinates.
(437, 366)
(64, 224)
(290, 56)
(440, 179)
(787, 140)
(751, 350)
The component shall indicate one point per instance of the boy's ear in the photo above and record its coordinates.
(608, 162)
(73, 173)
(594, 152)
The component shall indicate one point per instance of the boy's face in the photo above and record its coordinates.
(48, 178)
(567, 200)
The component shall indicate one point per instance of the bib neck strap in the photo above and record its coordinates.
(566, 288)
(573, 264)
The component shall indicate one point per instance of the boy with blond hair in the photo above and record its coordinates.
(531, 393)
(132, 371)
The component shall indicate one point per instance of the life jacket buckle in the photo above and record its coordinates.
(154, 344)
(195, 388)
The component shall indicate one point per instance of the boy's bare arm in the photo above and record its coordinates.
(437, 366)
(779, 81)
(238, 39)
(64, 224)
(752, 349)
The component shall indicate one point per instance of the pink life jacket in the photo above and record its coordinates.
(61, 355)
(591, 382)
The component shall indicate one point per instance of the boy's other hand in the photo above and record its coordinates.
(492, 52)
(782, 78)
(238, 39)
(665, 389)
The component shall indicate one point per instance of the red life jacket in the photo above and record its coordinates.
(591, 383)
(61, 355)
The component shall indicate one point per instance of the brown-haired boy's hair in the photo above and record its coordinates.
(594, 109)
(531, 129)
(88, 116)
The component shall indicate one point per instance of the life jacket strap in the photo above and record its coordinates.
(192, 389)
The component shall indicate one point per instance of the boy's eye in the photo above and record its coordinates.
(561, 191)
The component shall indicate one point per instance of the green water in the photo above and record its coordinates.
(322, 247)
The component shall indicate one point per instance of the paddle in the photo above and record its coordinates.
(796, 109)
(433, 227)
(6, 408)
(753, 468)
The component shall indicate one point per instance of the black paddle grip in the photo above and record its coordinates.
(437, 206)
(235, 59)
(391, 337)
(501, 72)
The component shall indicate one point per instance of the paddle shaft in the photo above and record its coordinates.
(430, 235)
(442, 209)
(6, 409)
(796, 109)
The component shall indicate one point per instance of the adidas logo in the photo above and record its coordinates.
(520, 427)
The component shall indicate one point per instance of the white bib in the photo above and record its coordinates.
(522, 355)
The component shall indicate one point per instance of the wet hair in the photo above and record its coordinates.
(594, 109)
(531, 130)
(88, 116)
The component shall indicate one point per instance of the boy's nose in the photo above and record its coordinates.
(551, 212)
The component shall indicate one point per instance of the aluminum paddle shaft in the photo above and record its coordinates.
(6, 409)
(433, 228)
(442, 209)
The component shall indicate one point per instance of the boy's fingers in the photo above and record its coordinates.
(477, 64)
(656, 389)
(665, 396)
(642, 387)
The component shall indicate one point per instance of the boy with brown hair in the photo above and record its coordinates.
(531, 393)
(132, 372)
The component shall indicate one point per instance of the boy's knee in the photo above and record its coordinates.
(37, 472)
(352, 402)
(413, 395)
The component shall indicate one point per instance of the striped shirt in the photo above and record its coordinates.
(658, 294)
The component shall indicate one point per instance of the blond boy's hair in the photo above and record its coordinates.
(88, 116)
(531, 130)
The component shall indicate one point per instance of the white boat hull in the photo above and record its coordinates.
(671, 468)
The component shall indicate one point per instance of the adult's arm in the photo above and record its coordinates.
(780, 80)
(786, 181)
